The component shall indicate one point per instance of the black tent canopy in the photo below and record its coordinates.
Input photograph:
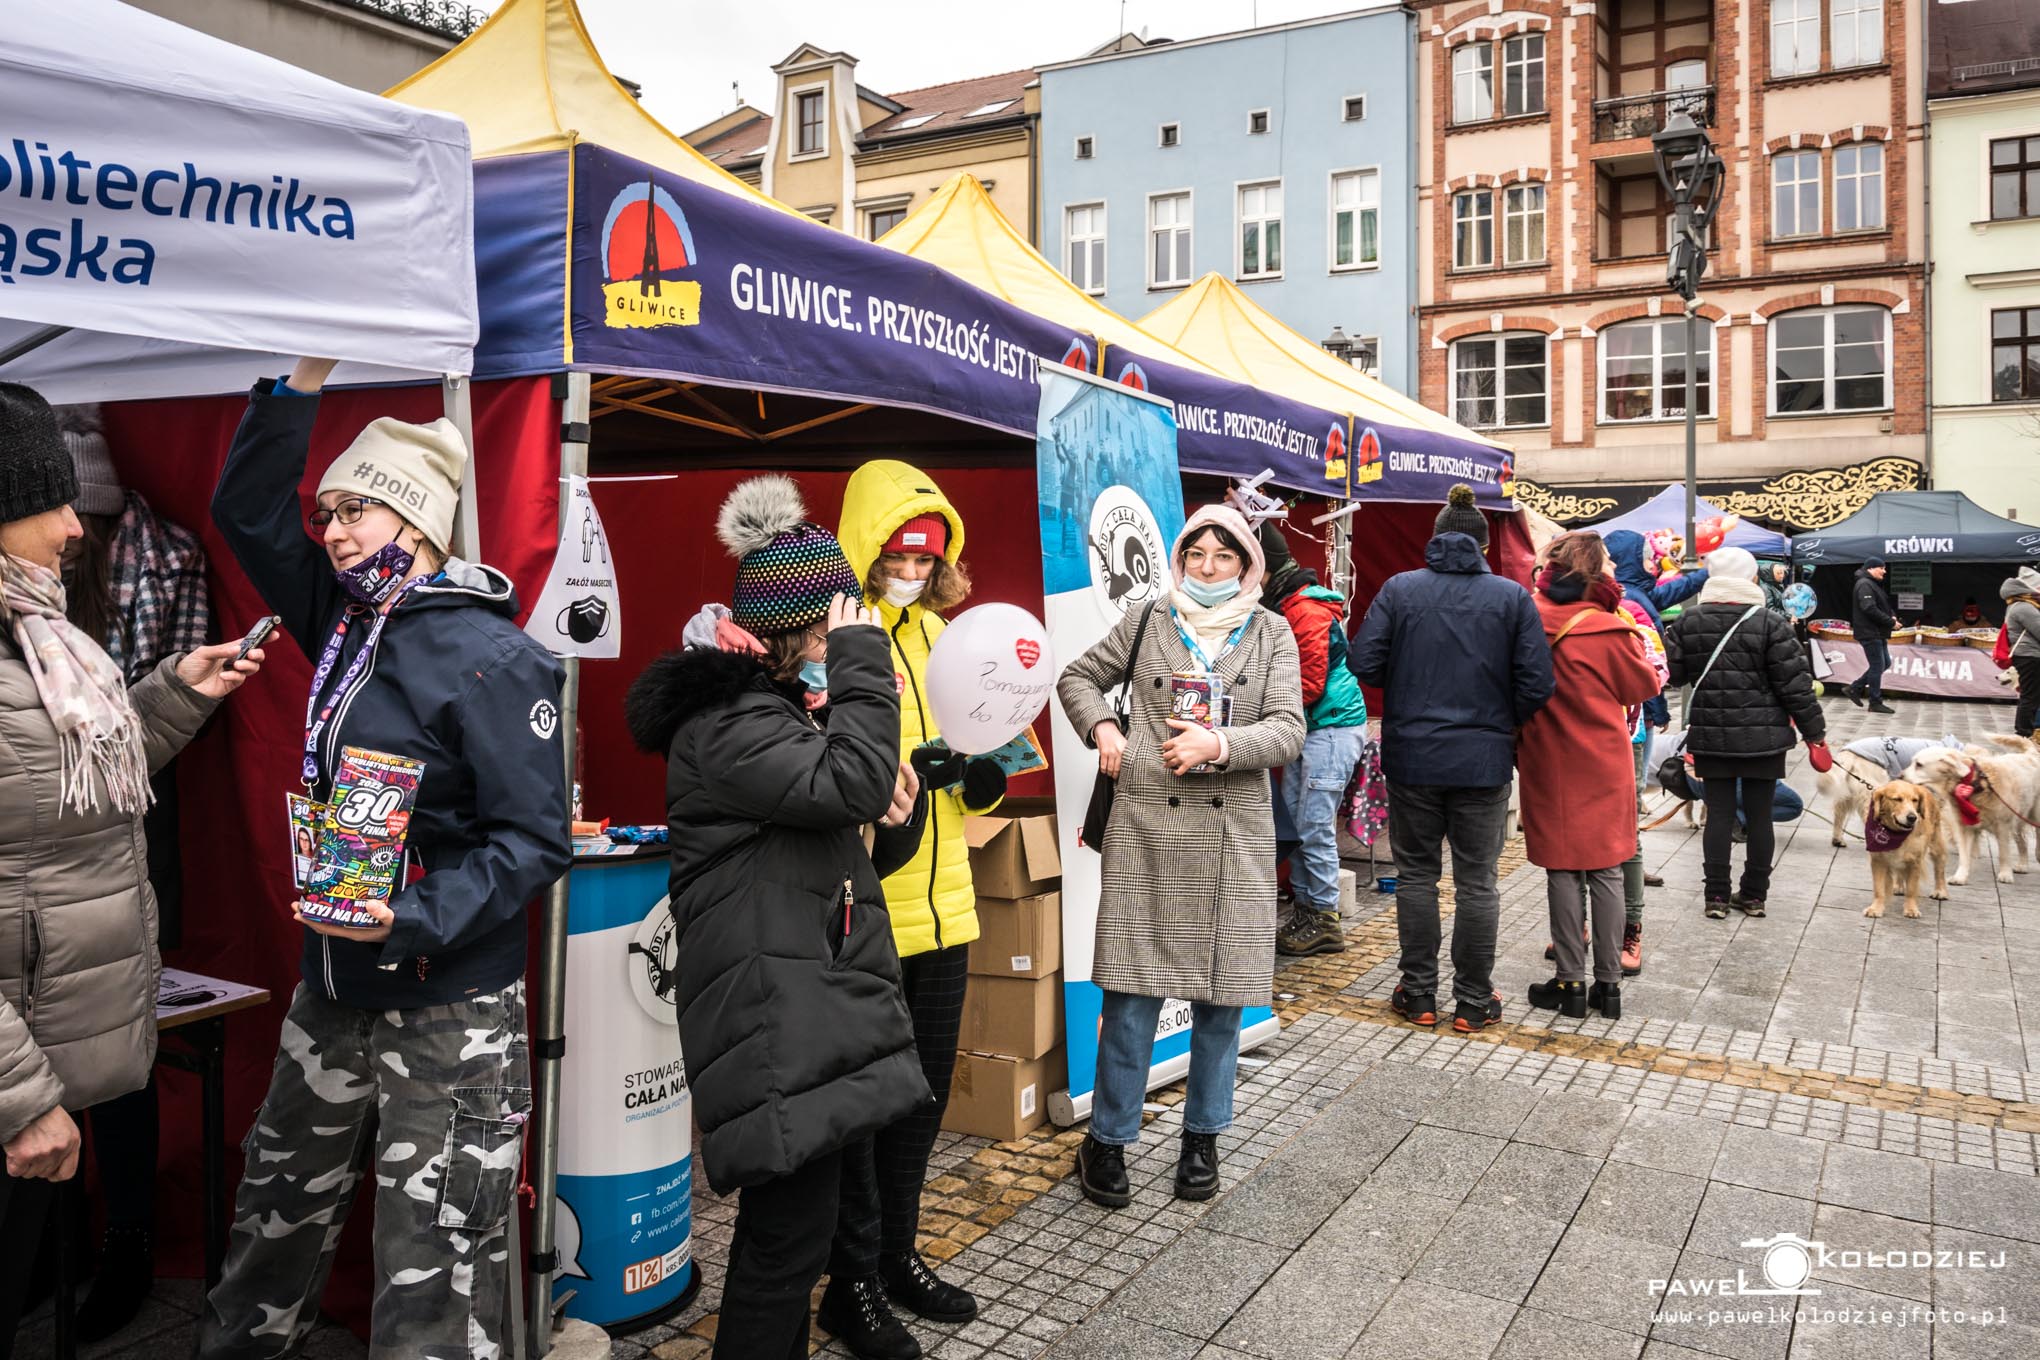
(1920, 526)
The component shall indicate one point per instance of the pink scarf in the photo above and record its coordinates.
(84, 693)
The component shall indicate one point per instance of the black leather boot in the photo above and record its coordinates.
(1101, 1174)
(1197, 1167)
(915, 1287)
(1567, 998)
(1606, 997)
(856, 1313)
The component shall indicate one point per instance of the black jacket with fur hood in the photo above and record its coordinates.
(792, 1023)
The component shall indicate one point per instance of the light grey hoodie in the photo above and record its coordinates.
(2022, 619)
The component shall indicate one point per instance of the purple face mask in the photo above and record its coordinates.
(376, 577)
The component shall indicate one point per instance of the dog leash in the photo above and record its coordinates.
(1984, 785)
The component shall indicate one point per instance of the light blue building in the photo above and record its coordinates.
(1281, 157)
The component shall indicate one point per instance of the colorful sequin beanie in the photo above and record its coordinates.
(788, 570)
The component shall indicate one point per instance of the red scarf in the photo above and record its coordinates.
(1964, 796)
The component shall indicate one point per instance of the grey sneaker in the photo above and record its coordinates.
(1308, 932)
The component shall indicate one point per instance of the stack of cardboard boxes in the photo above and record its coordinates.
(1010, 1051)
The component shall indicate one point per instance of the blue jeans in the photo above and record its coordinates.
(1877, 657)
(1126, 1046)
(1312, 785)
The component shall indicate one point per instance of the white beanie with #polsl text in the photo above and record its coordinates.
(413, 469)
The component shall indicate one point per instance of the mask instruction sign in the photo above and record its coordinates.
(576, 613)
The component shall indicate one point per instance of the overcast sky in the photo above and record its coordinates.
(686, 53)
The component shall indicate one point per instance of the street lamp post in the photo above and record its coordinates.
(1691, 174)
(1339, 345)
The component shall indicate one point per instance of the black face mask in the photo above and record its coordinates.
(585, 619)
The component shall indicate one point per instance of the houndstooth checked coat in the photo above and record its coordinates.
(1188, 903)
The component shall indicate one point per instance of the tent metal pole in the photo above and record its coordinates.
(549, 1034)
(28, 344)
(457, 391)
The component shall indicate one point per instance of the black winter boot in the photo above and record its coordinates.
(856, 1313)
(1567, 998)
(1101, 1174)
(1606, 997)
(1197, 1167)
(915, 1287)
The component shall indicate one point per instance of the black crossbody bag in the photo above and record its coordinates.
(1099, 814)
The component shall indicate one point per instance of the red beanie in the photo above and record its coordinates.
(922, 534)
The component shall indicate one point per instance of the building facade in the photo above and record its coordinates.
(368, 44)
(1279, 157)
(1545, 314)
(1983, 83)
(860, 160)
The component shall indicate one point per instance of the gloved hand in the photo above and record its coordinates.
(984, 782)
(939, 767)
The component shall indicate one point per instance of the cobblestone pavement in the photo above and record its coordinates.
(1549, 1187)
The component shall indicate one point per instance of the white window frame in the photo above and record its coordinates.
(794, 94)
(1525, 188)
(1162, 138)
(1522, 40)
(1346, 114)
(1370, 182)
(1859, 18)
(1827, 314)
(1240, 222)
(1661, 393)
(1795, 20)
(1095, 287)
(1485, 68)
(1187, 228)
(1267, 117)
(1799, 158)
(1084, 147)
(1489, 216)
(1856, 188)
(1499, 339)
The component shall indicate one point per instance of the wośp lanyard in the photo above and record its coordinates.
(317, 715)
(1196, 651)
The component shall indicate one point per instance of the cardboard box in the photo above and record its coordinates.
(1002, 1098)
(1013, 851)
(1018, 937)
(1019, 1017)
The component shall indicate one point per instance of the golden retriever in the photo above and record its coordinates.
(1913, 812)
(2005, 791)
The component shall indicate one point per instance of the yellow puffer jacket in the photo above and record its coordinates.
(932, 900)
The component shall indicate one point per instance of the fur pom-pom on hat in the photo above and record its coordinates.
(757, 512)
(788, 570)
(1462, 516)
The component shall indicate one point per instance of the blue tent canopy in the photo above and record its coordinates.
(1667, 510)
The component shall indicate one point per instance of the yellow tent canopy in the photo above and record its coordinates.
(529, 79)
(1213, 320)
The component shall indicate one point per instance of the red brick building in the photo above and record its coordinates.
(1543, 305)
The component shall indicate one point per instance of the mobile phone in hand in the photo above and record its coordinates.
(264, 626)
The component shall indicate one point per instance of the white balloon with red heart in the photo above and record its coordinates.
(989, 677)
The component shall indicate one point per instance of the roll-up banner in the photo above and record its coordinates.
(1111, 504)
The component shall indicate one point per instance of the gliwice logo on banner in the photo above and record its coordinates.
(1129, 561)
(645, 237)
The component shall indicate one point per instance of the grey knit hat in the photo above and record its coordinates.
(1462, 516)
(35, 472)
(99, 489)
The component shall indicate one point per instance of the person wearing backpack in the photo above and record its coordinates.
(1751, 689)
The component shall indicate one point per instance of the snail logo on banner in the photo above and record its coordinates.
(645, 237)
(1367, 464)
(1129, 561)
(576, 613)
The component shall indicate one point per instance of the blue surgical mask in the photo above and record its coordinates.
(1214, 593)
(376, 577)
(815, 675)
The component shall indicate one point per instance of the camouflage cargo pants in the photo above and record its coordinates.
(435, 1099)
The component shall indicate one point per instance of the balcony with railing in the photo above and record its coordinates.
(1642, 115)
(449, 18)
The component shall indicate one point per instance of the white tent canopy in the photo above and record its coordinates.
(187, 209)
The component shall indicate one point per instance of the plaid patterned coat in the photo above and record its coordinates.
(1187, 908)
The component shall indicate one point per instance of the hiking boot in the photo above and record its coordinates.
(1879, 706)
(1632, 949)
(1101, 1174)
(1606, 997)
(856, 1313)
(1567, 998)
(1418, 1010)
(1197, 1167)
(1471, 1019)
(1309, 931)
(1747, 905)
(1717, 908)
(911, 1284)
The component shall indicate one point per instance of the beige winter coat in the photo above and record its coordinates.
(78, 962)
(1187, 904)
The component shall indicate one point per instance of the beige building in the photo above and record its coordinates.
(1544, 312)
(369, 44)
(859, 160)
